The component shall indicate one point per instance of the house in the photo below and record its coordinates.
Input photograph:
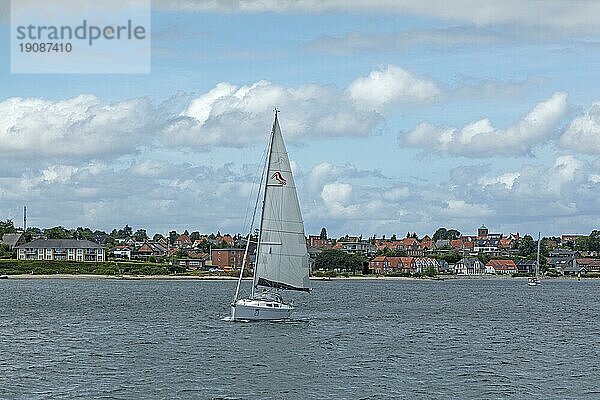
(183, 241)
(227, 239)
(426, 245)
(501, 267)
(526, 266)
(407, 265)
(385, 264)
(412, 247)
(149, 249)
(590, 264)
(378, 264)
(227, 259)
(359, 246)
(122, 252)
(191, 263)
(563, 259)
(487, 246)
(574, 270)
(317, 241)
(423, 265)
(570, 239)
(61, 249)
(444, 267)
(13, 239)
(469, 266)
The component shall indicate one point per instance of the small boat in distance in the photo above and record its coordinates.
(281, 253)
(535, 281)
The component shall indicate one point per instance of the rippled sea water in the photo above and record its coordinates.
(376, 339)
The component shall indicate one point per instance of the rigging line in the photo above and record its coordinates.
(246, 251)
(259, 167)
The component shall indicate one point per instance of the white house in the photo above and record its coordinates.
(61, 249)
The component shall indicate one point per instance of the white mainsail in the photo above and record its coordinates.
(282, 257)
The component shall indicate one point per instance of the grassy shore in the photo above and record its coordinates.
(26, 269)
(46, 268)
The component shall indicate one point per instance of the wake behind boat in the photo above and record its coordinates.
(281, 255)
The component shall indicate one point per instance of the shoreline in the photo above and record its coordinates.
(231, 278)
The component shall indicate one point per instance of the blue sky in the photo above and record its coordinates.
(399, 116)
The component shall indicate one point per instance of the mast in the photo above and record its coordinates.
(537, 263)
(246, 251)
(262, 213)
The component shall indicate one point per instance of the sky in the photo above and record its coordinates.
(399, 115)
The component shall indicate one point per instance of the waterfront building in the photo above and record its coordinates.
(563, 260)
(590, 264)
(191, 263)
(227, 259)
(61, 249)
(501, 267)
(122, 251)
(469, 266)
(526, 266)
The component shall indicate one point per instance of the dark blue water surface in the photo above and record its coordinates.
(463, 339)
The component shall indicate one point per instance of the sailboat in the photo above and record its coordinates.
(535, 281)
(281, 253)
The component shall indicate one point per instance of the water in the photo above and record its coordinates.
(480, 339)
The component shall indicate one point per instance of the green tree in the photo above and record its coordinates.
(194, 236)
(6, 252)
(451, 258)
(83, 233)
(527, 246)
(430, 271)
(32, 232)
(446, 234)
(323, 234)
(484, 258)
(594, 241)
(7, 226)
(172, 237)
(140, 235)
(332, 259)
(58, 232)
(440, 234)
(453, 234)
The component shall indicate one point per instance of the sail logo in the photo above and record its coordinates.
(279, 178)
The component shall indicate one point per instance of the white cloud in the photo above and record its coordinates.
(562, 15)
(481, 139)
(507, 180)
(77, 128)
(390, 86)
(336, 198)
(583, 133)
(231, 115)
(460, 208)
(326, 172)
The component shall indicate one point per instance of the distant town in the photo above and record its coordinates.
(445, 252)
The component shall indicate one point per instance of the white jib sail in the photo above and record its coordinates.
(282, 260)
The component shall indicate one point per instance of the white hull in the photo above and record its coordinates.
(533, 282)
(262, 309)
